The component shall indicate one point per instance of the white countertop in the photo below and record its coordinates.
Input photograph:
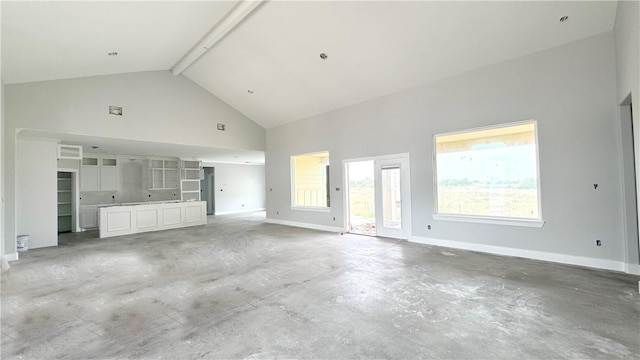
(139, 203)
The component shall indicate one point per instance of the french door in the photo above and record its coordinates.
(390, 196)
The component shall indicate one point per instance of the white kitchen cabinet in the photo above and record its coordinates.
(89, 217)
(90, 174)
(99, 173)
(109, 174)
(73, 152)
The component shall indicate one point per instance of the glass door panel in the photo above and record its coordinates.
(391, 198)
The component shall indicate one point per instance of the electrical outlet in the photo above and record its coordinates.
(428, 227)
(334, 218)
(598, 243)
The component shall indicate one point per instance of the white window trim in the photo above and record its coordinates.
(311, 208)
(490, 220)
(538, 222)
(293, 185)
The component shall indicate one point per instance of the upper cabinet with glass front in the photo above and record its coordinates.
(99, 173)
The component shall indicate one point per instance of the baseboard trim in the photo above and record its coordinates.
(237, 211)
(305, 225)
(531, 254)
(632, 269)
(11, 257)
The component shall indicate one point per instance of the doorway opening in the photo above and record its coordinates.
(361, 198)
(67, 201)
(630, 182)
(207, 184)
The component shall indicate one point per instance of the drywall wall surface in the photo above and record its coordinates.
(36, 192)
(570, 90)
(627, 41)
(238, 187)
(156, 106)
(2, 173)
(9, 163)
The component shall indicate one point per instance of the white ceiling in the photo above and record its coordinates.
(46, 40)
(374, 47)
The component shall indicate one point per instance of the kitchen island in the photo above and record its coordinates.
(132, 218)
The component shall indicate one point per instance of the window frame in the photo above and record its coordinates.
(487, 219)
(293, 183)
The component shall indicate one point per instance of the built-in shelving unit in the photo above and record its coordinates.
(65, 201)
(190, 180)
(163, 174)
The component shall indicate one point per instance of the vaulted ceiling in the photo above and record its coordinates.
(268, 66)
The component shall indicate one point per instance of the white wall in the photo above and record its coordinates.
(158, 107)
(2, 162)
(571, 92)
(238, 187)
(627, 40)
(36, 192)
(2, 172)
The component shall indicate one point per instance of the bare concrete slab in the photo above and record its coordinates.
(241, 288)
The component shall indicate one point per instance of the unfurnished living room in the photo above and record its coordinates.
(320, 179)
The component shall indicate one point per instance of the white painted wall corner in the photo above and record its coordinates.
(11, 257)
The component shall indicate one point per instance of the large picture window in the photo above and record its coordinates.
(489, 173)
(310, 181)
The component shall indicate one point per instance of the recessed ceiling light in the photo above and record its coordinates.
(113, 53)
(250, 91)
(564, 18)
(323, 56)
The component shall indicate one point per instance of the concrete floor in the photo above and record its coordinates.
(240, 288)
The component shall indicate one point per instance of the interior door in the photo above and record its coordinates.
(393, 197)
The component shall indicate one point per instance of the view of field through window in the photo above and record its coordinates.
(361, 195)
(489, 173)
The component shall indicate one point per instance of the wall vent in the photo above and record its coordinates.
(115, 110)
